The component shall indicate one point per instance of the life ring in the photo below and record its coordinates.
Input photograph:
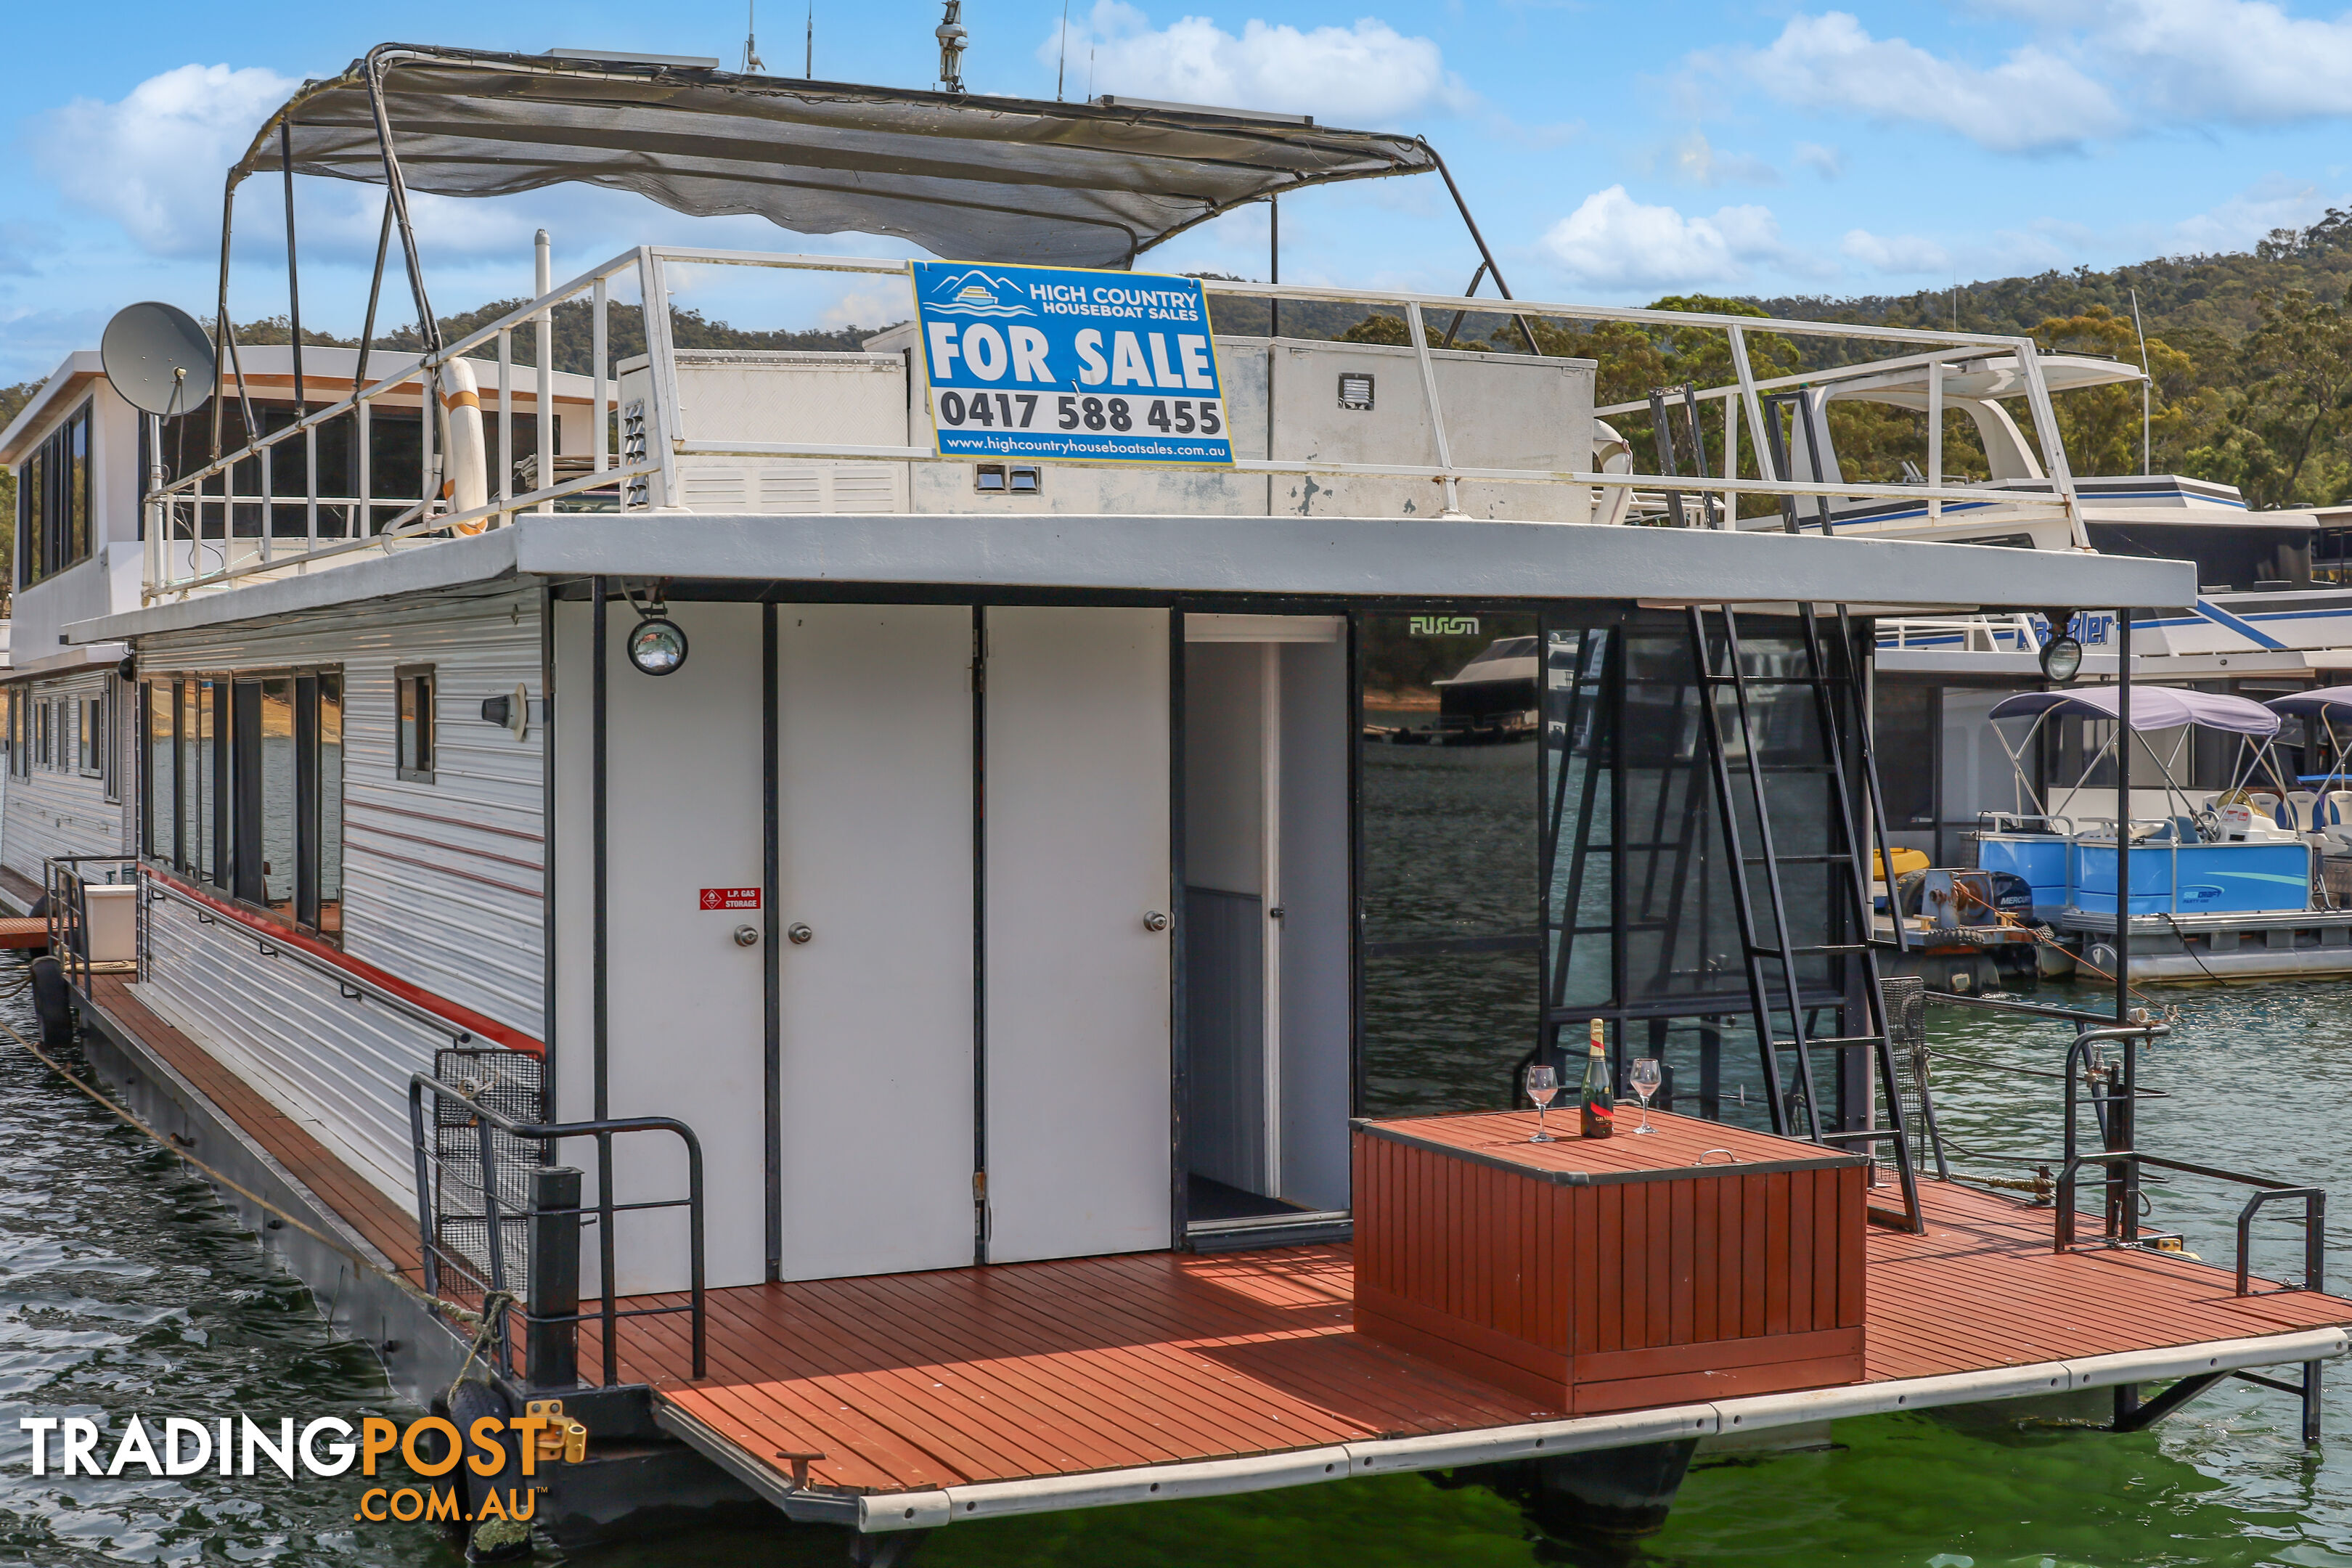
(1611, 454)
(465, 457)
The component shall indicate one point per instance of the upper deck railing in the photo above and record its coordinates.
(191, 528)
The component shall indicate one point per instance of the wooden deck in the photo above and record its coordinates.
(1041, 1369)
(920, 1381)
(23, 933)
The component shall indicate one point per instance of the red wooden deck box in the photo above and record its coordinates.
(1608, 1274)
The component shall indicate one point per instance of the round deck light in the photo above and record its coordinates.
(658, 646)
(2062, 658)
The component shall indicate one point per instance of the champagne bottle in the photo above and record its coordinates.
(1599, 1107)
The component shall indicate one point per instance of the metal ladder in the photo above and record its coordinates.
(1676, 425)
(1730, 686)
(1805, 409)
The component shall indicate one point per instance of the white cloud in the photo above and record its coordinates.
(2243, 60)
(1829, 162)
(1365, 74)
(868, 308)
(1696, 160)
(155, 162)
(1894, 253)
(2275, 202)
(1611, 241)
(2032, 101)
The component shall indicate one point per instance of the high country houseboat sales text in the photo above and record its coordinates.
(1143, 304)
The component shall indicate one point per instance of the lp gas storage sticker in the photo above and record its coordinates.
(1058, 364)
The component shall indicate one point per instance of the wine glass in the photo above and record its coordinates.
(1543, 1082)
(1644, 1080)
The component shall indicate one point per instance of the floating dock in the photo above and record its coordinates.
(907, 1402)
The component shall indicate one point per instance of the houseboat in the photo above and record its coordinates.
(873, 940)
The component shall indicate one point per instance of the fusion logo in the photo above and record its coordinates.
(1443, 626)
(430, 1446)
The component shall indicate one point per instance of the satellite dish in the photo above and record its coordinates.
(158, 358)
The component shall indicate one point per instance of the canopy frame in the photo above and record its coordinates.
(2257, 751)
(1324, 156)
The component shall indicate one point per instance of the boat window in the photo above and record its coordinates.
(90, 736)
(416, 737)
(327, 762)
(53, 516)
(1907, 725)
(1451, 988)
(242, 788)
(271, 752)
(159, 778)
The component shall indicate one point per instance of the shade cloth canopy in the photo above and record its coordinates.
(2335, 702)
(2152, 707)
(967, 178)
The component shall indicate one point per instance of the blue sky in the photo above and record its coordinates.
(1612, 152)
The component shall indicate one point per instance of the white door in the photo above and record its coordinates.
(686, 1026)
(875, 813)
(1077, 1061)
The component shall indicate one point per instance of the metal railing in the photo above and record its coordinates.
(178, 512)
(65, 889)
(2114, 1101)
(1970, 634)
(350, 984)
(196, 512)
(494, 1279)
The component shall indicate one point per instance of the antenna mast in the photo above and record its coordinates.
(2146, 380)
(752, 65)
(1062, 65)
(952, 37)
(809, 70)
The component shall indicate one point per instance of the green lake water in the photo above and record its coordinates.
(124, 1287)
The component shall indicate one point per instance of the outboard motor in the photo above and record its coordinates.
(2012, 895)
(53, 1002)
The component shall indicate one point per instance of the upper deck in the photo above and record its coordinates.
(1451, 438)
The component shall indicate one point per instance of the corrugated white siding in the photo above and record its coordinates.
(56, 811)
(338, 1067)
(442, 882)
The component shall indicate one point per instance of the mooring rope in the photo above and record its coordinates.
(484, 1321)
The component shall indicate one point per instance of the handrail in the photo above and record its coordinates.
(67, 914)
(666, 438)
(2315, 1211)
(352, 986)
(604, 1131)
(1989, 821)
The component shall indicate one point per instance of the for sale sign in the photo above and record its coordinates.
(1062, 364)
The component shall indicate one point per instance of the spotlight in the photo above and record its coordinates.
(2062, 656)
(128, 668)
(658, 646)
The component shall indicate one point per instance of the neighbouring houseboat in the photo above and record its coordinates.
(916, 962)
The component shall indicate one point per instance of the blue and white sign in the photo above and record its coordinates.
(1068, 365)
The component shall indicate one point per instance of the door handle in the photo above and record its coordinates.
(747, 936)
(799, 934)
(1154, 921)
